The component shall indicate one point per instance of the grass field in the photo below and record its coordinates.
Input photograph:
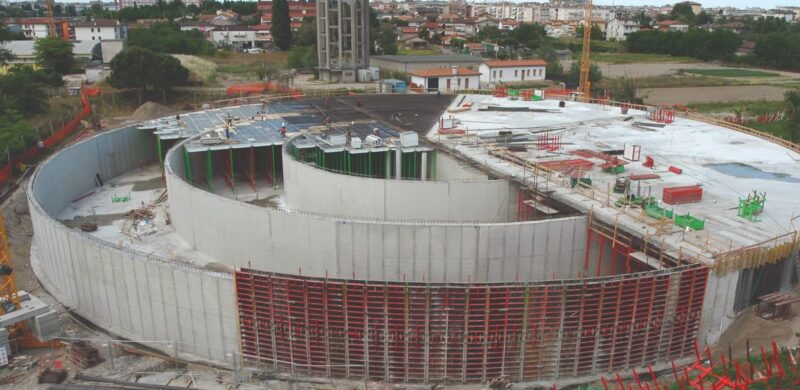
(245, 63)
(418, 52)
(756, 107)
(671, 81)
(630, 58)
(729, 72)
(780, 129)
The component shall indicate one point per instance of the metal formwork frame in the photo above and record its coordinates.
(467, 332)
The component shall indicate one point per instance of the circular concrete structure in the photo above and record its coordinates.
(362, 278)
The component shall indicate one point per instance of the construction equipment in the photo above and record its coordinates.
(25, 321)
(51, 24)
(585, 85)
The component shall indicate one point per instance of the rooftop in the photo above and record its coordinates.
(728, 165)
(510, 63)
(430, 58)
(444, 72)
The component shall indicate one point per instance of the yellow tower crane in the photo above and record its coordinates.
(51, 24)
(585, 85)
(9, 295)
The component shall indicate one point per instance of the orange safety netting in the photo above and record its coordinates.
(260, 88)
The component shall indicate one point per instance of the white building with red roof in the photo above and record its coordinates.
(446, 79)
(510, 71)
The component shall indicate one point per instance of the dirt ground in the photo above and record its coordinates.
(659, 69)
(690, 95)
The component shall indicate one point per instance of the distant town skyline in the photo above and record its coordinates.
(710, 3)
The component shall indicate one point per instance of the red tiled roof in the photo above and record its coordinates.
(510, 63)
(408, 30)
(444, 72)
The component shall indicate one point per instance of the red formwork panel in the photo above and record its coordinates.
(685, 194)
(467, 333)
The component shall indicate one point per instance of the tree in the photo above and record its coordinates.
(792, 100)
(306, 35)
(528, 35)
(54, 53)
(281, 29)
(141, 68)
(574, 76)
(303, 57)
(703, 18)
(424, 33)
(385, 39)
(597, 33)
(15, 134)
(624, 89)
(27, 91)
(683, 11)
(168, 38)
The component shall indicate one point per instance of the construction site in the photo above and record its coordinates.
(518, 237)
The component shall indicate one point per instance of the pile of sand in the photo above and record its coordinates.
(202, 70)
(150, 110)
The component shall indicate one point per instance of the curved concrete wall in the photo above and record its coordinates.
(245, 235)
(131, 294)
(362, 197)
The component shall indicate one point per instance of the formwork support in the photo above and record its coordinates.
(209, 170)
(187, 161)
(468, 333)
(160, 152)
(424, 166)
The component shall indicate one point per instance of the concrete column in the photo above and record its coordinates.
(424, 166)
(398, 156)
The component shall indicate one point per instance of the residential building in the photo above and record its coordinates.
(34, 28)
(141, 3)
(24, 53)
(672, 25)
(408, 64)
(511, 71)
(342, 38)
(100, 29)
(619, 29)
(298, 10)
(446, 79)
(202, 25)
(237, 37)
(508, 24)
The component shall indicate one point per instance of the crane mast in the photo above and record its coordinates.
(585, 85)
(51, 24)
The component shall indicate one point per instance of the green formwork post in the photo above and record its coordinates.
(369, 163)
(388, 164)
(158, 150)
(432, 165)
(233, 178)
(209, 170)
(274, 163)
(187, 161)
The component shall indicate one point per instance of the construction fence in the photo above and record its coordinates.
(467, 333)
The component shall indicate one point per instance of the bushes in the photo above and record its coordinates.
(168, 38)
(697, 43)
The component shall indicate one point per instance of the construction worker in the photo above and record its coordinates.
(283, 129)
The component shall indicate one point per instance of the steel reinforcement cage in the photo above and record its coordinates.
(467, 333)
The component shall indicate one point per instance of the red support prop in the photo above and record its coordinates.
(600, 254)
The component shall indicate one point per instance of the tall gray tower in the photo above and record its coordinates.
(342, 38)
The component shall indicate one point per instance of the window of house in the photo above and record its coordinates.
(529, 72)
(92, 29)
(494, 74)
(516, 73)
(501, 74)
